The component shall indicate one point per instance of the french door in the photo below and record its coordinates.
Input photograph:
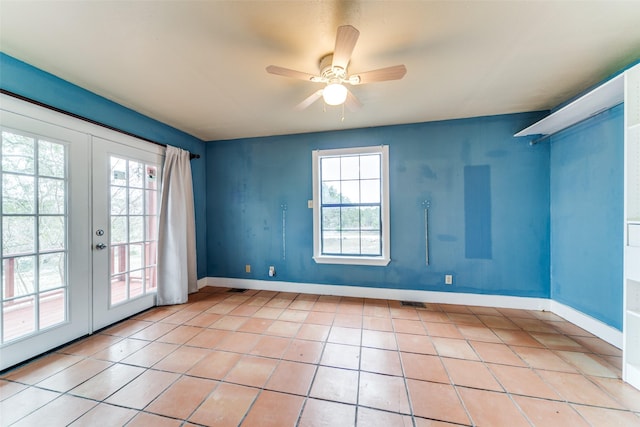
(45, 228)
(79, 229)
(126, 197)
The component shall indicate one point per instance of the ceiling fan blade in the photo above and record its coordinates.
(345, 42)
(383, 74)
(286, 72)
(309, 100)
(352, 103)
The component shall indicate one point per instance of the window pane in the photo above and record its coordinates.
(52, 308)
(118, 200)
(370, 166)
(151, 207)
(52, 271)
(350, 218)
(119, 258)
(118, 171)
(18, 276)
(150, 279)
(350, 167)
(331, 242)
(151, 223)
(136, 229)
(136, 202)
(136, 174)
(18, 193)
(330, 167)
(350, 192)
(51, 196)
(330, 218)
(51, 160)
(330, 192)
(118, 288)
(150, 254)
(136, 286)
(17, 153)
(370, 218)
(351, 242)
(370, 242)
(135, 257)
(118, 229)
(370, 191)
(51, 233)
(18, 235)
(18, 317)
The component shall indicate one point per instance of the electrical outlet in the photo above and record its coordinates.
(448, 279)
(272, 271)
(247, 268)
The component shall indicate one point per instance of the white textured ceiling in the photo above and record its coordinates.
(200, 65)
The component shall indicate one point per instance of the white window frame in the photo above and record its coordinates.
(381, 260)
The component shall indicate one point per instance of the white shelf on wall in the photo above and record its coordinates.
(603, 97)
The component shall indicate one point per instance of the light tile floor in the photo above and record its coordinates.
(262, 358)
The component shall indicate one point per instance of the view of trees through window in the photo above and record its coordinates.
(350, 203)
(34, 230)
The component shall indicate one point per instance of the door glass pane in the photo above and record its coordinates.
(51, 195)
(134, 209)
(18, 235)
(119, 289)
(18, 276)
(51, 233)
(136, 174)
(17, 153)
(51, 159)
(34, 279)
(51, 271)
(118, 200)
(136, 202)
(135, 257)
(136, 285)
(118, 171)
(17, 194)
(52, 307)
(136, 228)
(18, 317)
(118, 229)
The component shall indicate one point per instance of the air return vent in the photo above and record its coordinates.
(412, 304)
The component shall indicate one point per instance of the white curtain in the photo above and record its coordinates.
(177, 232)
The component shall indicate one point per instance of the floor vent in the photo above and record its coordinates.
(413, 304)
(237, 290)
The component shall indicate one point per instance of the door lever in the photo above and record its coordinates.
(101, 246)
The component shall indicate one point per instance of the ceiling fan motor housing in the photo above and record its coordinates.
(329, 73)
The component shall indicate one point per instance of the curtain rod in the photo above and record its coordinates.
(85, 119)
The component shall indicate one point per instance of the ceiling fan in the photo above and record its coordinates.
(333, 73)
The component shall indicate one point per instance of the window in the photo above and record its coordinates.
(134, 228)
(351, 206)
(34, 234)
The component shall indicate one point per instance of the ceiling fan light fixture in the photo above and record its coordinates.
(334, 94)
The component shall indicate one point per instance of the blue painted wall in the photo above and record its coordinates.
(573, 255)
(586, 170)
(26, 80)
(251, 181)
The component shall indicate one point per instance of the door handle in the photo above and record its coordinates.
(101, 246)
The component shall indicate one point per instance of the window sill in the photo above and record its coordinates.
(345, 260)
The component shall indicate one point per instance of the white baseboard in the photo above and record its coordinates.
(588, 323)
(383, 293)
